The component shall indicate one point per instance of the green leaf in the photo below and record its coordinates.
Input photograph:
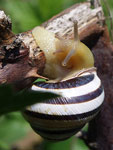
(39, 80)
(13, 101)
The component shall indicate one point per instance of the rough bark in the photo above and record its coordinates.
(18, 65)
(19, 54)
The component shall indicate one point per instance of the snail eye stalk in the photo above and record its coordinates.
(69, 55)
(76, 36)
(72, 51)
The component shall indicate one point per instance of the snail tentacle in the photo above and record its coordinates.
(70, 54)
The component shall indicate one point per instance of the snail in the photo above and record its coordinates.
(72, 75)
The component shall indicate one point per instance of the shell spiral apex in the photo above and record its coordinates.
(71, 73)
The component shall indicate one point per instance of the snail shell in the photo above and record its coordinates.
(62, 117)
(80, 98)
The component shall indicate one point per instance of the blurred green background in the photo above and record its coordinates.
(26, 14)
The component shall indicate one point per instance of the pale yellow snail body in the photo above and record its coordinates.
(71, 73)
(62, 56)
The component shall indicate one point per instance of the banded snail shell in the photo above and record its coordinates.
(81, 96)
(62, 117)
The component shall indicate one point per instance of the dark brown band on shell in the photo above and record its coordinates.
(75, 82)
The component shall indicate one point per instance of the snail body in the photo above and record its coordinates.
(63, 56)
(73, 77)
